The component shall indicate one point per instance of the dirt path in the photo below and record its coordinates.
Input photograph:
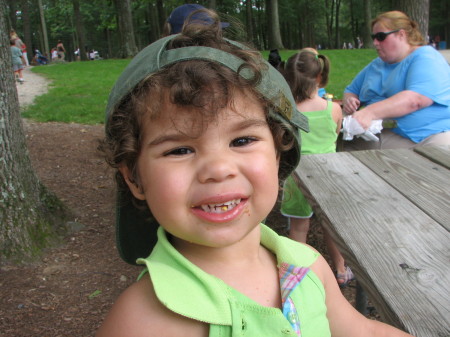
(33, 86)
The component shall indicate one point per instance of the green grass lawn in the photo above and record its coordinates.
(79, 90)
(78, 93)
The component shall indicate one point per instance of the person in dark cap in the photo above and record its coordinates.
(177, 18)
(275, 59)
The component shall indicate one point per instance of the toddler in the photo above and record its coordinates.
(202, 131)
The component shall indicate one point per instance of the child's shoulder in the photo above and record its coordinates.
(288, 250)
(138, 313)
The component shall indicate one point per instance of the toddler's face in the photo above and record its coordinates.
(209, 188)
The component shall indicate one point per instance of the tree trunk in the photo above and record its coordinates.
(45, 48)
(27, 29)
(31, 218)
(126, 31)
(212, 4)
(81, 41)
(274, 25)
(162, 17)
(337, 36)
(329, 14)
(12, 14)
(367, 28)
(417, 10)
(260, 21)
(249, 19)
(156, 29)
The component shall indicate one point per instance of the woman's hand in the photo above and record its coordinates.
(351, 103)
(364, 117)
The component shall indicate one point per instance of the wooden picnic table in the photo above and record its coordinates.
(389, 213)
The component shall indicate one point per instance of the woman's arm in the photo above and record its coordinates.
(398, 105)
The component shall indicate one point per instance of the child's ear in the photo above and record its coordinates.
(132, 184)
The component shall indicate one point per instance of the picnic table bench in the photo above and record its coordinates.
(389, 213)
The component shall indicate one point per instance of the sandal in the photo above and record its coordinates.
(345, 278)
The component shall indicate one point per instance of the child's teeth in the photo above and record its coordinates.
(220, 208)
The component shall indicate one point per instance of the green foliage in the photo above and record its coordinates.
(79, 90)
(78, 93)
(345, 64)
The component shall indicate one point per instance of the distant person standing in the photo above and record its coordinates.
(61, 50)
(359, 43)
(17, 61)
(77, 54)
(54, 53)
(19, 44)
(437, 39)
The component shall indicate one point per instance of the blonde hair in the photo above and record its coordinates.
(394, 20)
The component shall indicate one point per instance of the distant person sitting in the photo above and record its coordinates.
(39, 58)
(179, 16)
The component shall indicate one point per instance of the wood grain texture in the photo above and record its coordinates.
(399, 253)
(423, 182)
(438, 154)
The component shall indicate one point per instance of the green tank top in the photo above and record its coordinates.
(189, 291)
(320, 139)
(322, 132)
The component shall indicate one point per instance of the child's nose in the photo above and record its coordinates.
(216, 167)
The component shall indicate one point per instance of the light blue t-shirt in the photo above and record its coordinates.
(424, 71)
(322, 92)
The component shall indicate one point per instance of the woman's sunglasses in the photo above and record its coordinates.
(381, 36)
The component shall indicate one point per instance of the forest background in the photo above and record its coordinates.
(120, 28)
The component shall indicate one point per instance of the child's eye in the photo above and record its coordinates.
(242, 141)
(180, 151)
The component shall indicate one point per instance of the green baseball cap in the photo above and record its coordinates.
(135, 227)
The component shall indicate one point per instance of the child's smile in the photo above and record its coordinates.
(214, 186)
(222, 211)
(221, 208)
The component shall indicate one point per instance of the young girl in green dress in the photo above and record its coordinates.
(202, 131)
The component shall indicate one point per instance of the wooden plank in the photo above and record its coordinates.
(438, 154)
(399, 254)
(423, 182)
